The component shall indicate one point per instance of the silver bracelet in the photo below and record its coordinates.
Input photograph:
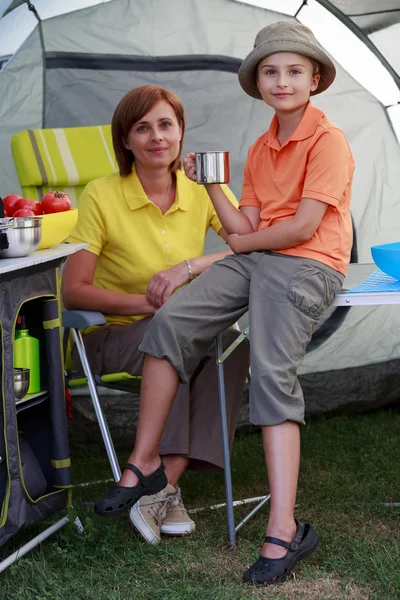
(189, 268)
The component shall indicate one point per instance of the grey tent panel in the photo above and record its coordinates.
(218, 114)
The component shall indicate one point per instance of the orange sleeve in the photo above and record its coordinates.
(248, 196)
(329, 169)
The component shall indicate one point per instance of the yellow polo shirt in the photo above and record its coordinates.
(133, 239)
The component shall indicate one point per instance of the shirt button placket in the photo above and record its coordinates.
(167, 245)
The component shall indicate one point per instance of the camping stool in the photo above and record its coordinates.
(371, 289)
(221, 357)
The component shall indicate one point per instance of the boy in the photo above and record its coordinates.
(291, 240)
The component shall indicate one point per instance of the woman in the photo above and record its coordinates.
(146, 228)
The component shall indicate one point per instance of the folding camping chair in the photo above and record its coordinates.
(67, 159)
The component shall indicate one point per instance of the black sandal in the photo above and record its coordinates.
(275, 570)
(119, 498)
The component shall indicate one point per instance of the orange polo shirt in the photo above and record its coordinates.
(316, 162)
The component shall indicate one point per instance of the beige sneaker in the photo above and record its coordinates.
(176, 521)
(148, 512)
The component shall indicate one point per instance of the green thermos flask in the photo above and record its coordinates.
(27, 354)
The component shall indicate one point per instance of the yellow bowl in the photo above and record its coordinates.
(56, 227)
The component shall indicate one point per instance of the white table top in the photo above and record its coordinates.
(38, 257)
(356, 274)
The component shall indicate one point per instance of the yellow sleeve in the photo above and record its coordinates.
(90, 227)
(213, 220)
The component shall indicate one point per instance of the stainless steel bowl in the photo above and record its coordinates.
(23, 235)
(21, 382)
(212, 167)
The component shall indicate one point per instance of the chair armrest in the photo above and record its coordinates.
(80, 319)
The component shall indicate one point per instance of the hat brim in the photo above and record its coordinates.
(247, 74)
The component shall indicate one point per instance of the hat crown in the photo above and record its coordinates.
(285, 31)
(285, 36)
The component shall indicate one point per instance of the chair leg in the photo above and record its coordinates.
(112, 457)
(237, 327)
(225, 444)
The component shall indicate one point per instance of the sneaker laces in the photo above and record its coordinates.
(175, 501)
(158, 509)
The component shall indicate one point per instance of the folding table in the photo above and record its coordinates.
(35, 480)
(379, 289)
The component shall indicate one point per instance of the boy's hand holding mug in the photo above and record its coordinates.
(189, 165)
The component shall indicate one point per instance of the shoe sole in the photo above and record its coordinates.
(141, 525)
(178, 528)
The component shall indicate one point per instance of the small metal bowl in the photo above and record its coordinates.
(23, 235)
(21, 382)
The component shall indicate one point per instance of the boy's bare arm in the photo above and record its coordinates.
(233, 220)
(285, 234)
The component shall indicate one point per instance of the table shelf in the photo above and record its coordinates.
(31, 400)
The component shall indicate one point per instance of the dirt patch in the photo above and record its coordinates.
(321, 587)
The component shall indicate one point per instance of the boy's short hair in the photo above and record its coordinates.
(133, 106)
(286, 36)
(316, 66)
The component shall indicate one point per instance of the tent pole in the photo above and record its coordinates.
(304, 3)
(41, 36)
(361, 35)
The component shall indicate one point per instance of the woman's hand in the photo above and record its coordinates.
(164, 283)
(149, 309)
(189, 164)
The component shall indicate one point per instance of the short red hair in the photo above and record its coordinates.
(133, 106)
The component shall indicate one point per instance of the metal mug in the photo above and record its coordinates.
(212, 167)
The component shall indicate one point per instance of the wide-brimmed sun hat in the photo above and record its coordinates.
(285, 36)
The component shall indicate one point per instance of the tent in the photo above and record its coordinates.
(73, 68)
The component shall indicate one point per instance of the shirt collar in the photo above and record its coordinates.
(135, 195)
(305, 129)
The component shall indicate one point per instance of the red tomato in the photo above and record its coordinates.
(9, 202)
(5, 214)
(24, 212)
(29, 204)
(54, 202)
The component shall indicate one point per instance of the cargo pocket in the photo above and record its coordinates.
(311, 290)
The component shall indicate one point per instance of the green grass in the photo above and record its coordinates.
(350, 468)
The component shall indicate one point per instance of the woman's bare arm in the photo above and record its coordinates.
(78, 291)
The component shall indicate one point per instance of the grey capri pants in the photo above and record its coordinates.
(285, 296)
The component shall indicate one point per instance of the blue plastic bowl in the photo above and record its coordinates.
(387, 258)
